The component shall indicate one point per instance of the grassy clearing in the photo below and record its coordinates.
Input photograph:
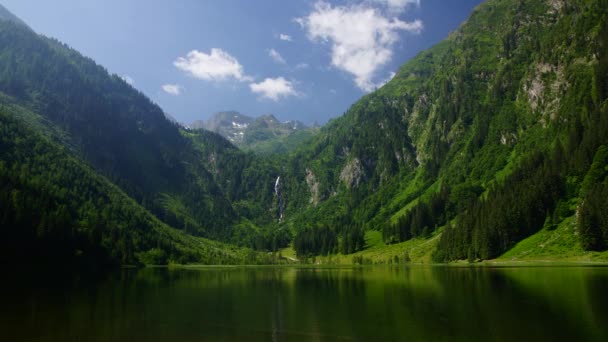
(560, 245)
(556, 247)
(376, 252)
(289, 253)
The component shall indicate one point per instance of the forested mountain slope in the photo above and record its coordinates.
(115, 128)
(93, 171)
(494, 130)
(478, 143)
(56, 209)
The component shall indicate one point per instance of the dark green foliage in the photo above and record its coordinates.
(154, 256)
(510, 212)
(352, 238)
(421, 221)
(597, 171)
(592, 213)
(269, 239)
(593, 219)
(55, 209)
(249, 182)
(315, 241)
(246, 180)
(518, 207)
(118, 130)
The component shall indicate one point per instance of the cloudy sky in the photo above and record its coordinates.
(305, 60)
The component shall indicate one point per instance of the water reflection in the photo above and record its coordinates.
(370, 303)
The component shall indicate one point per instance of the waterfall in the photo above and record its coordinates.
(280, 200)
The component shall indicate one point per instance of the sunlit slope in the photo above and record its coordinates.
(494, 129)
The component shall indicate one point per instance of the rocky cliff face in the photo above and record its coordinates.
(352, 173)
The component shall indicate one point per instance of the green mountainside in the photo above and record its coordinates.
(491, 132)
(55, 208)
(115, 140)
(115, 128)
(494, 141)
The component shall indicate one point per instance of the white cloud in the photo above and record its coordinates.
(274, 88)
(285, 37)
(398, 6)
(300, 66)
(128, 79)
(361, 37)
(276, 56)
(172, 89)
(218, 65)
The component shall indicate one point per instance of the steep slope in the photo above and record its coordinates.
(252, 183)
(57, 210)
(116, 129)
(501, 120)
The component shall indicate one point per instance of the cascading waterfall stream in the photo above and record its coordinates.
(280, 201)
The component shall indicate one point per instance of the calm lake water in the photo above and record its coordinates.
(308, 304)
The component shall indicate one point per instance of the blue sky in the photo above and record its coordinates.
(304, 60)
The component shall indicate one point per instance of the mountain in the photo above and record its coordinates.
(491, 144)
(231, 125)
(263, 135)
(477, 143)
(58, 210)
(112, 152)
(115, 128)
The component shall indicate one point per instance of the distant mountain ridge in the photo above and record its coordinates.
(265, 133)
(230, 124)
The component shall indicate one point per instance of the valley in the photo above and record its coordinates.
(163, 177)
(490, 145)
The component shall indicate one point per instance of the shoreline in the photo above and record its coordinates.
(457, 264)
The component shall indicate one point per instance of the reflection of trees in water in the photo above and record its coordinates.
(36, 303)
(330, 302)
(368, 303)
(348, 282)
(567, 298)
(514, 303)
(597, 299)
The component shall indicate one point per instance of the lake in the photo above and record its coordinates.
(376, 303)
